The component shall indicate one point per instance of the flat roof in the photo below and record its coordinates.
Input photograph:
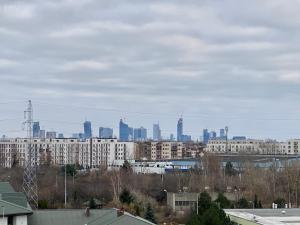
(266, 216)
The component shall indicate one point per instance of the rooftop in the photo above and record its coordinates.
(13, 203)
(265, 216)
(78, 216)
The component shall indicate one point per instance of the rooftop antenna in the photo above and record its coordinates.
(30, 188)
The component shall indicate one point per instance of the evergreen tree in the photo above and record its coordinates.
(243, 203)
(149, 215)
(92, 204)
(126, 197)
(255, 201)
(204, 202)
(223, 201)
(209, 213)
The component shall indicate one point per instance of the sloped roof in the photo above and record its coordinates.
(5, 187)
(78, 217)
(13, 203)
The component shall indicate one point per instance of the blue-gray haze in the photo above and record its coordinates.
(215, 62)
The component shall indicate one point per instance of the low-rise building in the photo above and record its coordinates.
(264, 216)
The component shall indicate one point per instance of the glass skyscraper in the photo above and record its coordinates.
(87, 129)
(140, 134)
(36, 130)
(156, 132)
(124, 131)
(205, 136)
(105, 132)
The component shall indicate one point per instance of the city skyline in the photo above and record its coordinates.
(93, 130)
(217, 63)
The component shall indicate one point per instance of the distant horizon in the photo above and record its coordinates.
(95, 128)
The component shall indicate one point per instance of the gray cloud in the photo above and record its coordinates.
(216, 62)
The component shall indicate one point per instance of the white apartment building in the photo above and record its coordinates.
(290, 147)
(234, 146)
(89, 153)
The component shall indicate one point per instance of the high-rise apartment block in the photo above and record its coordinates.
(89, 153)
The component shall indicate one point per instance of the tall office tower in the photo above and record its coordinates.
(87, 129)
(51, 134)
(140, 134)
(172, 137)
(60, 135)
(42, 134)
(179, 129)
(36, 130)
(156, 132)
(222, 133)
(212, 135)
(124, 131)
(205, 136)
(105, 132)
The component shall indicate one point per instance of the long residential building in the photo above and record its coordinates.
(88, 153)
(251, 146)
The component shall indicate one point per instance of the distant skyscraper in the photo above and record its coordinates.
(222, 133)
(42, 134)
(172, 137)
(87, 129)
(186, 138)
(60, 135)
(156, 132)
(51, 134)
(179, 129)
(124, 131)
(212, 135)
(78, 135)
(205, 136)
(105, 132)
(131, 133)
(239, 138)
(140, 134)
(36, 130)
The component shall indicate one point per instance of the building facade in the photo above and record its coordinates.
(87, 153)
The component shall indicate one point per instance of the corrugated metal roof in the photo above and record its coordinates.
(5, 187)
(13, 203)
(78, 217)
(12, 209)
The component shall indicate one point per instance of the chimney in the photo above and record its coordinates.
(120, 212)
(87, 212)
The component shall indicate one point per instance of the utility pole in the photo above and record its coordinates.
(30, 187)
(65, 186)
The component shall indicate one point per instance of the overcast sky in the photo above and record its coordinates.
(217, 63)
